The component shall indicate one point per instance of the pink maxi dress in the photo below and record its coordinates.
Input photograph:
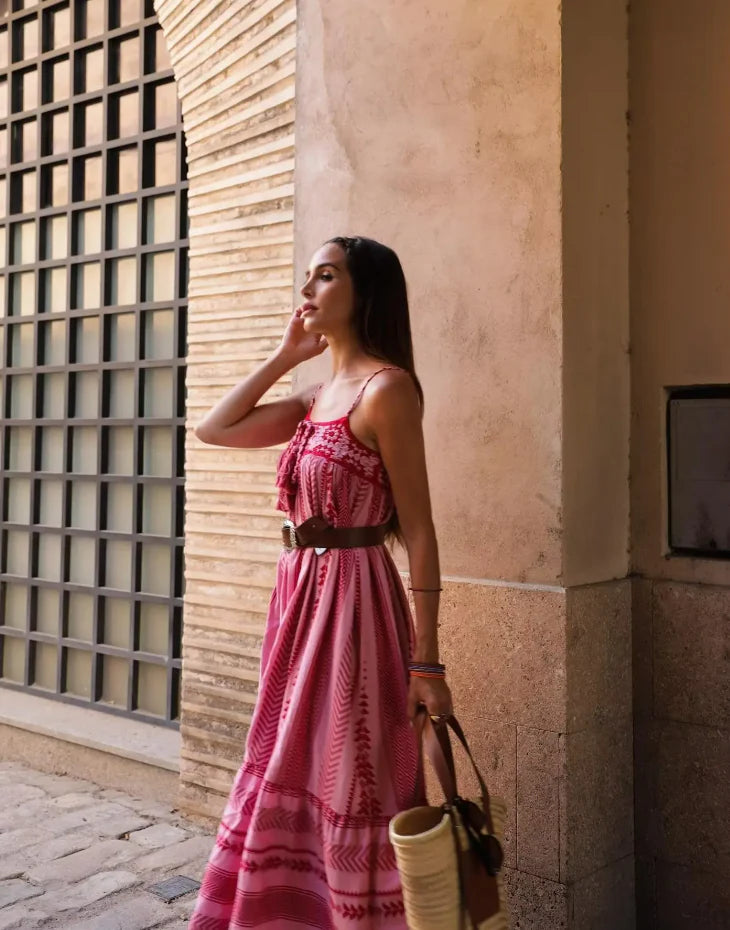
(330, 755)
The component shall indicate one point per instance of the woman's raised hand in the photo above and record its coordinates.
(297, 344)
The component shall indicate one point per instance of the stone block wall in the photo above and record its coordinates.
(682, 754)
(542, 677)
(234, 64)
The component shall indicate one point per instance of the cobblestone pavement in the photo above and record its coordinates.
(75, 856)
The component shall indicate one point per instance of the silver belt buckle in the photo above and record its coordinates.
(293, 542)
(288, 525)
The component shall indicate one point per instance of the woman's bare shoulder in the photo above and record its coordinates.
(392, 392)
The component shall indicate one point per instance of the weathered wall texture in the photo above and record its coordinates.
(436, 128)
(598, 837)
(440, 128)
(680, 329)
(596, 391)
(682, 753)
(234, 65)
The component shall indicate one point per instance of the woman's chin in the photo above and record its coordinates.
(309, 325)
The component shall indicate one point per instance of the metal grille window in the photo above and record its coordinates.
(93, 246)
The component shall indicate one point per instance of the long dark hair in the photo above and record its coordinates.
(381, 318)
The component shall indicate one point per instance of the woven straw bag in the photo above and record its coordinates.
(449, 857)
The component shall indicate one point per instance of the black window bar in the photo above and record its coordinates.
(93, 248)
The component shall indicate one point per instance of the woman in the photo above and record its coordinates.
(331, 755)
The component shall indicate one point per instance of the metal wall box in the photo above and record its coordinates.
(698, 443)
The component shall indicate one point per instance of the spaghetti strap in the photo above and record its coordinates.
(315, 393)
(362, 389)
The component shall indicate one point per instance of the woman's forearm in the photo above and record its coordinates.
(241, 399)
(425, 581)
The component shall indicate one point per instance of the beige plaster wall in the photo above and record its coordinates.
(436, 128)
(596, 388)
(596, 800)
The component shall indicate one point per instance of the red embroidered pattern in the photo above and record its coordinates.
(362, 911)
(369, 805)
(332, 441)
(325, 811)
(277, 862)
(335, 442)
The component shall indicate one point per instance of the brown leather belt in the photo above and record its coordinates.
(315, 533)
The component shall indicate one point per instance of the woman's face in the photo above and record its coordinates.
(328, 293)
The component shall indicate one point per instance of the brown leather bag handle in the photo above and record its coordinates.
(456, 727)
(436, 742)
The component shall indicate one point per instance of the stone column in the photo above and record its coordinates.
(597, 829)
(487, 144)
(680, 332)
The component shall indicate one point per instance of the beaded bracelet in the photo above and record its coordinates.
(427, 669)
(427, 666)
(426, 590)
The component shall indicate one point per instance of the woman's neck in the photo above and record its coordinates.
(348, 358)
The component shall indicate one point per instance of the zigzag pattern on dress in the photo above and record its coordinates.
(298, 906)
(278, 818)
(277, 862)
(392, 721)
(236, 806)
(363, 911)
(328, 813)
(369, 803)
(265, 727)
(361, 858)
(339, 724)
